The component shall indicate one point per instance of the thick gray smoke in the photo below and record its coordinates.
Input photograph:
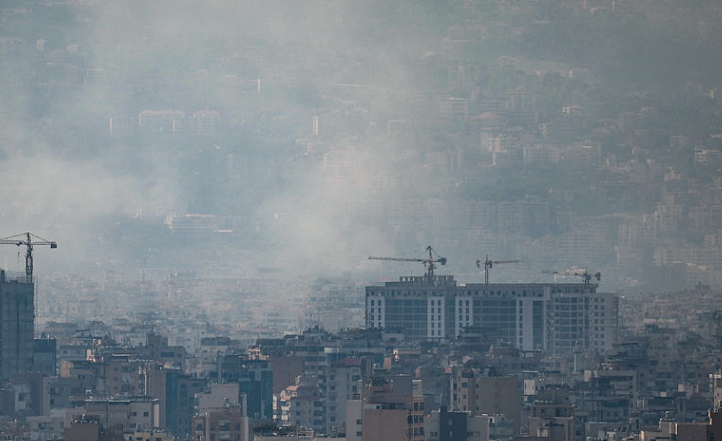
(240, 138)
(80, 164)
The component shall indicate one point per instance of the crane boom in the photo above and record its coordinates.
(578, 272)
(490, 263)
(27, 240)
(399, 259)
(429, 262)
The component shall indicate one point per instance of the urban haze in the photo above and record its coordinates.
(217, 174)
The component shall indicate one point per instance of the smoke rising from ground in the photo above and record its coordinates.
(233, 136)
(64, 175)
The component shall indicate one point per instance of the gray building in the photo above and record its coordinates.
(17, 316)
(557, 318)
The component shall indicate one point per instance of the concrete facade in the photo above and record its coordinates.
(554, 317)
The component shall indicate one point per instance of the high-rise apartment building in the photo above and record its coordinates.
(557, 318)
(17, 316)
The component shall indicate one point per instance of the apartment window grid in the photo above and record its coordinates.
(552, 317)
(436, 316)
(464, 313)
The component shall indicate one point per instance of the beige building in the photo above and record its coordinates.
(122, 375)
(221, 414)
(221, 424)
(552, 415)
(151, 435)
(301, 405)
(136, 413)
(393, 409)
(472, 391)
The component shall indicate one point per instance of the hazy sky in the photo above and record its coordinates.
(361, 67)
(73, 68)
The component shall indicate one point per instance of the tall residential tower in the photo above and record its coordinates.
(17, 316)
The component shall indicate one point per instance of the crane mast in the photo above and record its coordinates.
(489, 264)
(27, 240)
(429, 263)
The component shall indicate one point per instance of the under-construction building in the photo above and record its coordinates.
(557, 318)
(17, 315)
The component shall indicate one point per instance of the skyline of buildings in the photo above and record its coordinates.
(583, 367)
(217, 174)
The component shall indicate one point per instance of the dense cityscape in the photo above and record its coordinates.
(436, 220)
